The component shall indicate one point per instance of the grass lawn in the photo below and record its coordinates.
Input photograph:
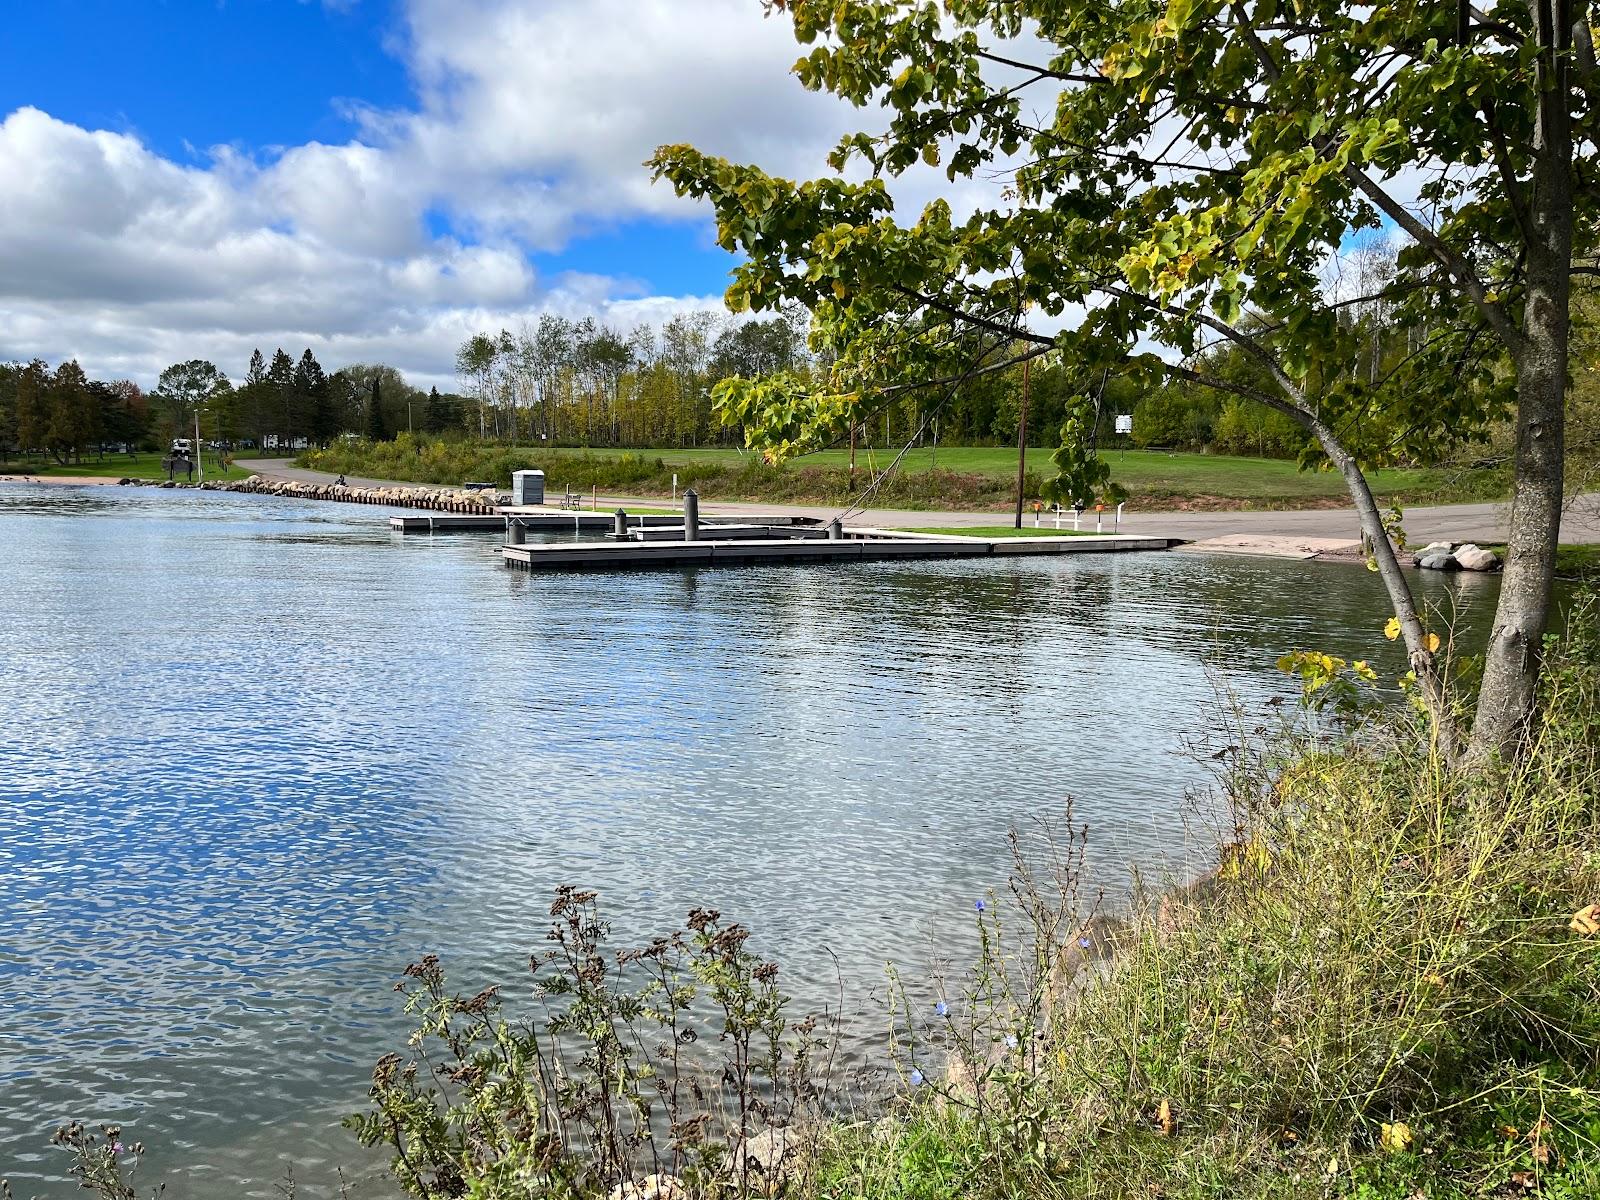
(1142, 472)
(116, 466)
(1581, 563)
(1000, 531)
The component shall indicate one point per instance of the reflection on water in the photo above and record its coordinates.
(259, 753)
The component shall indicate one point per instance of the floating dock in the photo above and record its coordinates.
(545, 520)
(858, 545)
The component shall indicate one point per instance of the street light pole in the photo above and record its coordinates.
(1022, 439)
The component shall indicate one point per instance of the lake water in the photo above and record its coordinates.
(257, 754)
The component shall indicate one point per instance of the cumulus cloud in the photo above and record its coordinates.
(531, 122)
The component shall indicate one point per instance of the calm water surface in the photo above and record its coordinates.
(257, 754)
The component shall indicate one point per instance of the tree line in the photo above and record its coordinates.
(559, 381)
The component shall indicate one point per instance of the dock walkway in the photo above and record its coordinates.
(856, 546)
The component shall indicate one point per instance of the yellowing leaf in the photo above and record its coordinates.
(1395, 1137)
(1586, 921)
(1164, 1118)
(1392, 629)
(1432, 643)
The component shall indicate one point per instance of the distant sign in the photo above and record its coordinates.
(1124, 424)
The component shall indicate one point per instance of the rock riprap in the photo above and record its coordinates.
(1447, 556)
(436, 499)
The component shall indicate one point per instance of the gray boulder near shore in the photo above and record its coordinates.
(1447, 556)
(1476, 558)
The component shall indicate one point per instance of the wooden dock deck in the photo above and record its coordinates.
(546, 520)
(857, 546)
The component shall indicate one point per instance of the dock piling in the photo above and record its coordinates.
(691, 515)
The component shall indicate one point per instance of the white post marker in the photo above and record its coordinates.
(674, 487)
(1119, 517)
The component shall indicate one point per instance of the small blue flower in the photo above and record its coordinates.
(941, 1009)
(916, 1077)
(1084, 943)
(1011, 1041)
(981, 906)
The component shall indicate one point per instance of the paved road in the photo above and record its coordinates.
(1454, 522)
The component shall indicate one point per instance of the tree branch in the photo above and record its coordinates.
(1450, 258)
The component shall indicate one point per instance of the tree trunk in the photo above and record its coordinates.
(1424, 663)
(1511, 662)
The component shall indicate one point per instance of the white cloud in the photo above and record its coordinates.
(532, 122)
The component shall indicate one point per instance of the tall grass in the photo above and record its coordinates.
(1390, 987)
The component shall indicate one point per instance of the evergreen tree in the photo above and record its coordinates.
(72, 424)
(311, 390)
(8, 407)
(32, 405)
(377, 430)
(433, 414)
(280, 382)
(257, 371)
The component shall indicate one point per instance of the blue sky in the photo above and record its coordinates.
(185, 76)
(198, 73)
(375, 180)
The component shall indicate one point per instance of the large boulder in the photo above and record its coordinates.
(1431, 549)
(1438, 562)
(1476, 558)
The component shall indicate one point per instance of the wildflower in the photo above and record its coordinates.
(941, 1009)
(116, 1147)
(981, 906)
(1011, 1041)
(916, 1077)
(1083, 942)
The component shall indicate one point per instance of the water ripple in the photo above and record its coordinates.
(259, 753)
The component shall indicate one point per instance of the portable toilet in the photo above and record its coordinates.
(527, 487)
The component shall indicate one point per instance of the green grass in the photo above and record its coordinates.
(966, 478)
(1147, 472)
(116, 466)
(1579, 563)
(999, 531)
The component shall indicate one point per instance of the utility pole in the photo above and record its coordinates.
(1022, 439)
(199, 458)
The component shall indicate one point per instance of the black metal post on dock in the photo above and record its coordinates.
(691, 516)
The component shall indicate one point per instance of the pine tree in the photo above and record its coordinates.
(280, 380)
(377, 431)
(311, 390)
(33, 405)
(71, 421)
(433, 414)
(257, 371)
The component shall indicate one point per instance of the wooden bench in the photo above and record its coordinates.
(478, 487)
(572, 500)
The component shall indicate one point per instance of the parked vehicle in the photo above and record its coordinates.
(182, 446)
